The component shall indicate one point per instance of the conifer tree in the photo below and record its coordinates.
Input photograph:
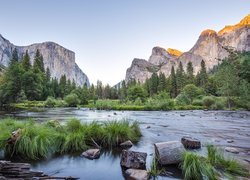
(190, 73)
(202, 76)
(173, 85)
(26, 61)
(162, 86)
(154, 81)
(180, 78)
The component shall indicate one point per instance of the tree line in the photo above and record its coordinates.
(231, 78)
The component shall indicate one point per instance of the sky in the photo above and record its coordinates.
(106, 35)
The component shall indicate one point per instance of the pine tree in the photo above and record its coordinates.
(26, 61)
(180, 78)
(154, 81)
(190, 73)
(202, 76)
(162, 86)
(38, 62)
(99, 89)
(12, 80)
(62, 86)
(173, 85)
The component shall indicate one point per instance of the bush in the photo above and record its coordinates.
(182, 100)
(191, 91)
(208, 101)
(72, 100)
(50, 102)
(197, 102)
(219, 105)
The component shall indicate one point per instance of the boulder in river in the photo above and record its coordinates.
(134, 160)
(169, 152)
(232, 150)
(91, 154)
(190, 143)
(136, 174)
(126, 144)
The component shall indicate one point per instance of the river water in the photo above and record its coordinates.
(211, 127)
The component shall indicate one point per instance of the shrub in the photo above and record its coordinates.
(208, 101)
(72, 100)
(50, 102)
(219, 105)
(191, 91)
(197, 102)
(182, 99)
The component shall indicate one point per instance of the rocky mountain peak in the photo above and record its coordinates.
(229, 28)
(174, 52)
(58, 59)
(245, 20)
(211, 47)
(208, 32)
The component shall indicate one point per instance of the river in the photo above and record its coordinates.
(211, 127)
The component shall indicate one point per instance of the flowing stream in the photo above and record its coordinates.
(211, 127)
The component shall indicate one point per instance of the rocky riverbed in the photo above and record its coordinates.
(228, 130)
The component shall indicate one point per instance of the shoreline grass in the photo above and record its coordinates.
(37, 141)
(212, 167)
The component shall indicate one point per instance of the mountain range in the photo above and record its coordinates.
(58, 59)
(211, 47)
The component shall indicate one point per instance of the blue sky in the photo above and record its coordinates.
(107, 34)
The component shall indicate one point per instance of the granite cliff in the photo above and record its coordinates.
(211, 47)
(58, 59)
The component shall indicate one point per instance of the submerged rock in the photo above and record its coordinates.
(91, 154)
(126, 144)
(191, 143)
(134, 160)
(230, 141)
(136, 174)
(169, 152)
(232, 150)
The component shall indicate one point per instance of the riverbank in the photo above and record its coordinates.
(211, 127)
(150, 105)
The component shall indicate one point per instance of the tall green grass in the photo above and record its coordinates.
(37, 140)
(196, 167)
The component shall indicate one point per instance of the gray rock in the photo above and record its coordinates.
(191, 143)
(91, 154)
(126, 144)
(169, 152)
(210, 47)
(232, 150)
(58, 59)
(230, 141)
(136, 174)
(134, 160)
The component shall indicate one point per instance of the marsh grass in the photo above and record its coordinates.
(154, 170)
(196, 167)
(38, 140)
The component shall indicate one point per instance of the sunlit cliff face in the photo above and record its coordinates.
(174, 52)
(243, 22)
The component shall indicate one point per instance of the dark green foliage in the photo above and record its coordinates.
(136, 92)
(191, 92)
(162, 85)
(72, 100)
(202, 76)
(208, 101)
(153, 84)
(190, 73)
(173, 84)
(26, 61)
(180, 78)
